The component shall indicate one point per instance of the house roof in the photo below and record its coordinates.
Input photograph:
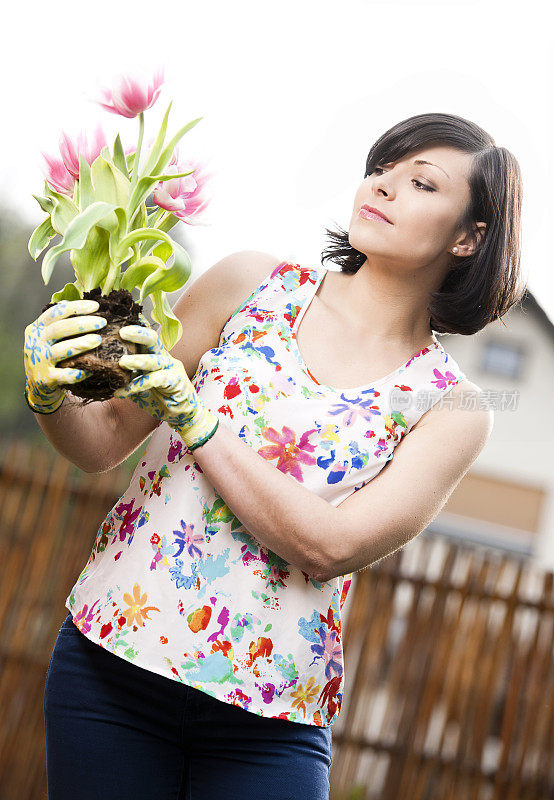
(530, 303)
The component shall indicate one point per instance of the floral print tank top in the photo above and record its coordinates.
(178, 586)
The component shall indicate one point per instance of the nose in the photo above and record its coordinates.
(381, 185)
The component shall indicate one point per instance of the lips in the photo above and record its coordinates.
(368, 212)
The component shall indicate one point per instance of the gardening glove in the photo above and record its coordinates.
(41, 351)
(165, 391)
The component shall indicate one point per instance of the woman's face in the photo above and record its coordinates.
(424, 204)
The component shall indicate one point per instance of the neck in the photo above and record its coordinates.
(388, 308)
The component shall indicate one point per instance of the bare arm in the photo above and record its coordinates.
(409, 492)
(81, 434)
(327, 541)
(282, 514)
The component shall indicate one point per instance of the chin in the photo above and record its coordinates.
(361, 242)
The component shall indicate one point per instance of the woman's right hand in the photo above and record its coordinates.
(41, 350)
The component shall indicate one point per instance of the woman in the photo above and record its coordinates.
(202, 654)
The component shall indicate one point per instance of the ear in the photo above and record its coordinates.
(469, 243)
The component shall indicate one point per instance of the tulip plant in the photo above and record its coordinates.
(95, 200)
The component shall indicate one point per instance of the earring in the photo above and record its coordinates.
(454, 249)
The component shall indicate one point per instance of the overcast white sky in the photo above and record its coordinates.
(292, 96)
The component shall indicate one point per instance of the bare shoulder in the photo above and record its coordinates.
(224, 286)
(250, 267)
(462, 408)
(242, 272)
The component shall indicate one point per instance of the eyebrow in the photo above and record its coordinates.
(419, 161)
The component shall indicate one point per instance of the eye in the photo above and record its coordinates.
(420, 185)
(424, 186)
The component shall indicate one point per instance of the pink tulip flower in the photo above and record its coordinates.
(70, 149)
(62, 174)
(131, 95)
(185, 197)
(58, 176)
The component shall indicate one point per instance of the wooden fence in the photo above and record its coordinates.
(449, 678)
(449, 651)
(49, 514)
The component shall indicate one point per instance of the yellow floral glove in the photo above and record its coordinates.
(165, 391)
(41, 351)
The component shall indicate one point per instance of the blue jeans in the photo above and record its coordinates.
(117, 731)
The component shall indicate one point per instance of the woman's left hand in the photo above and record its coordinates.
(165, 391)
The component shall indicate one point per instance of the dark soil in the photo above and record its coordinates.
(119, 308)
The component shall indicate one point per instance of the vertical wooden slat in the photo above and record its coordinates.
(419, 714)
(440, 649)
(544, 705)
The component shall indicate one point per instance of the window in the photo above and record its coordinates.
(502, 358)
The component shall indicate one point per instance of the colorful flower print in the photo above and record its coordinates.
(137, 611)
(212, 606)
(289, 454)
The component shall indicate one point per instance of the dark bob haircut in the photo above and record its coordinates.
(481, 287)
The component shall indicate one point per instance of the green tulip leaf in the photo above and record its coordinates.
(49, 191)
(46, 203)
(92, 262)
(136, 274)
(166, 225)
(116, 224)
(119, 156)
(63, 213)
(40, 238)
(86, 189)
(75, 235)
(167, 153)
(139, 220)
(110, 184)
(143, 233)
(156, 148)
(171, 327)
(168, 278)
(69, 292)
(164, 251)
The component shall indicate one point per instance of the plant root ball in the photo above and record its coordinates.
(119, 309)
